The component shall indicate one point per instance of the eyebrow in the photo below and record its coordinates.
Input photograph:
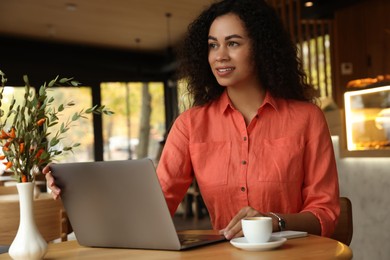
(226, 38)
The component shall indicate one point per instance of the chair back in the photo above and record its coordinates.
(49, 214)
(344, 227)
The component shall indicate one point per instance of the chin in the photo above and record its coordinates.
(222, 83)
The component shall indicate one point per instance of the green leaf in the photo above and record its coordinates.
(51, 83)
(75, 83)
(42, 91)
(91, 109)
(54, 142)
(25, 79)
(52, 124)
(75, 117)
(45, 155)
(65, 80)
(64, 130)
(109, 113)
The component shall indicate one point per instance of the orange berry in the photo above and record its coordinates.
(7, 165)
(12, 133)
(41, 121)
(21, 147)
(4, 135)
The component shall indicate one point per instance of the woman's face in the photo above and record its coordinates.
(230, 55)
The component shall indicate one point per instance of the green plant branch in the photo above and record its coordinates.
(25, 143)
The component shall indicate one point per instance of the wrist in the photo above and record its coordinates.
(279, 224)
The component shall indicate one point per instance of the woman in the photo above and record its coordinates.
(254, 140)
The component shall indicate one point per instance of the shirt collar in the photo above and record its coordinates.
(225, 103)
(269, 99)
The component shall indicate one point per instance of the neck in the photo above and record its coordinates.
(247, 101)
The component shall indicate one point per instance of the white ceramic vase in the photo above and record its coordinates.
(28, 243)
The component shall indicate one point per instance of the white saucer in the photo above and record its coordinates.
(242, 243)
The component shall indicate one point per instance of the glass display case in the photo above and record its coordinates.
(367, 122)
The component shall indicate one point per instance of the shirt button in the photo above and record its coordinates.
(242, 189)
(244, 138)
(243, 162)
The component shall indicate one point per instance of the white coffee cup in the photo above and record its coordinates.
(257, 229)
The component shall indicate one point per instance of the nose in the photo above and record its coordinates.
(222, 54)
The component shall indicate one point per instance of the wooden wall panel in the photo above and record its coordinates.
(361, 39)
(374, 19)
(309, 37)
(349, 48)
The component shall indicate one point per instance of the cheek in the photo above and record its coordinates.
(249, 62)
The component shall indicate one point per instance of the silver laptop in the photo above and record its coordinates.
(120, 204)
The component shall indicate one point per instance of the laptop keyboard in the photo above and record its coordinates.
(188, 239)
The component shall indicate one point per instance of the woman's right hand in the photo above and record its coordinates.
(55, 191)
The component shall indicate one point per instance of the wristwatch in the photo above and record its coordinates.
(281, 221)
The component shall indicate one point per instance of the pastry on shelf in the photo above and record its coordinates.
(365, 82)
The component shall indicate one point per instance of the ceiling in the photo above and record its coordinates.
(104, 23)
(110, 23)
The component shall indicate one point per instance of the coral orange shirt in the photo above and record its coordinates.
(282, 162)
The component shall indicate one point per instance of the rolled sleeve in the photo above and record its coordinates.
(320, 189)
(174, 169)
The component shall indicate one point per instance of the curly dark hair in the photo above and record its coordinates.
(275, 56)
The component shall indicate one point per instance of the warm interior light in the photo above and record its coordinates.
(350, 118)
(309, 4)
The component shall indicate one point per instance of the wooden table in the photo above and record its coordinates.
(15, 197)
(4, 179)
(310, 247)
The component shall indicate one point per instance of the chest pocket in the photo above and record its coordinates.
(211, 162)
(281, 160)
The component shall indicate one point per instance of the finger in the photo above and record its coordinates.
(46, 169)
(234, 226)
(54, 189)
(55, 196)
(239, 234)
(235, 231)
(51, 184)
(49, 177)
(237, 218)
(55, 193)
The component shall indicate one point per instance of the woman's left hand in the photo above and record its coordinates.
(233, 229)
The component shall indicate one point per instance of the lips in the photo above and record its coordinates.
(222, 71)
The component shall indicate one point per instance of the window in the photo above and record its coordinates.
(184, 98)
(315, 37)
(80, 131)
(138, 125)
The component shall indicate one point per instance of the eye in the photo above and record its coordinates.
(212, 45)
(233, 44)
